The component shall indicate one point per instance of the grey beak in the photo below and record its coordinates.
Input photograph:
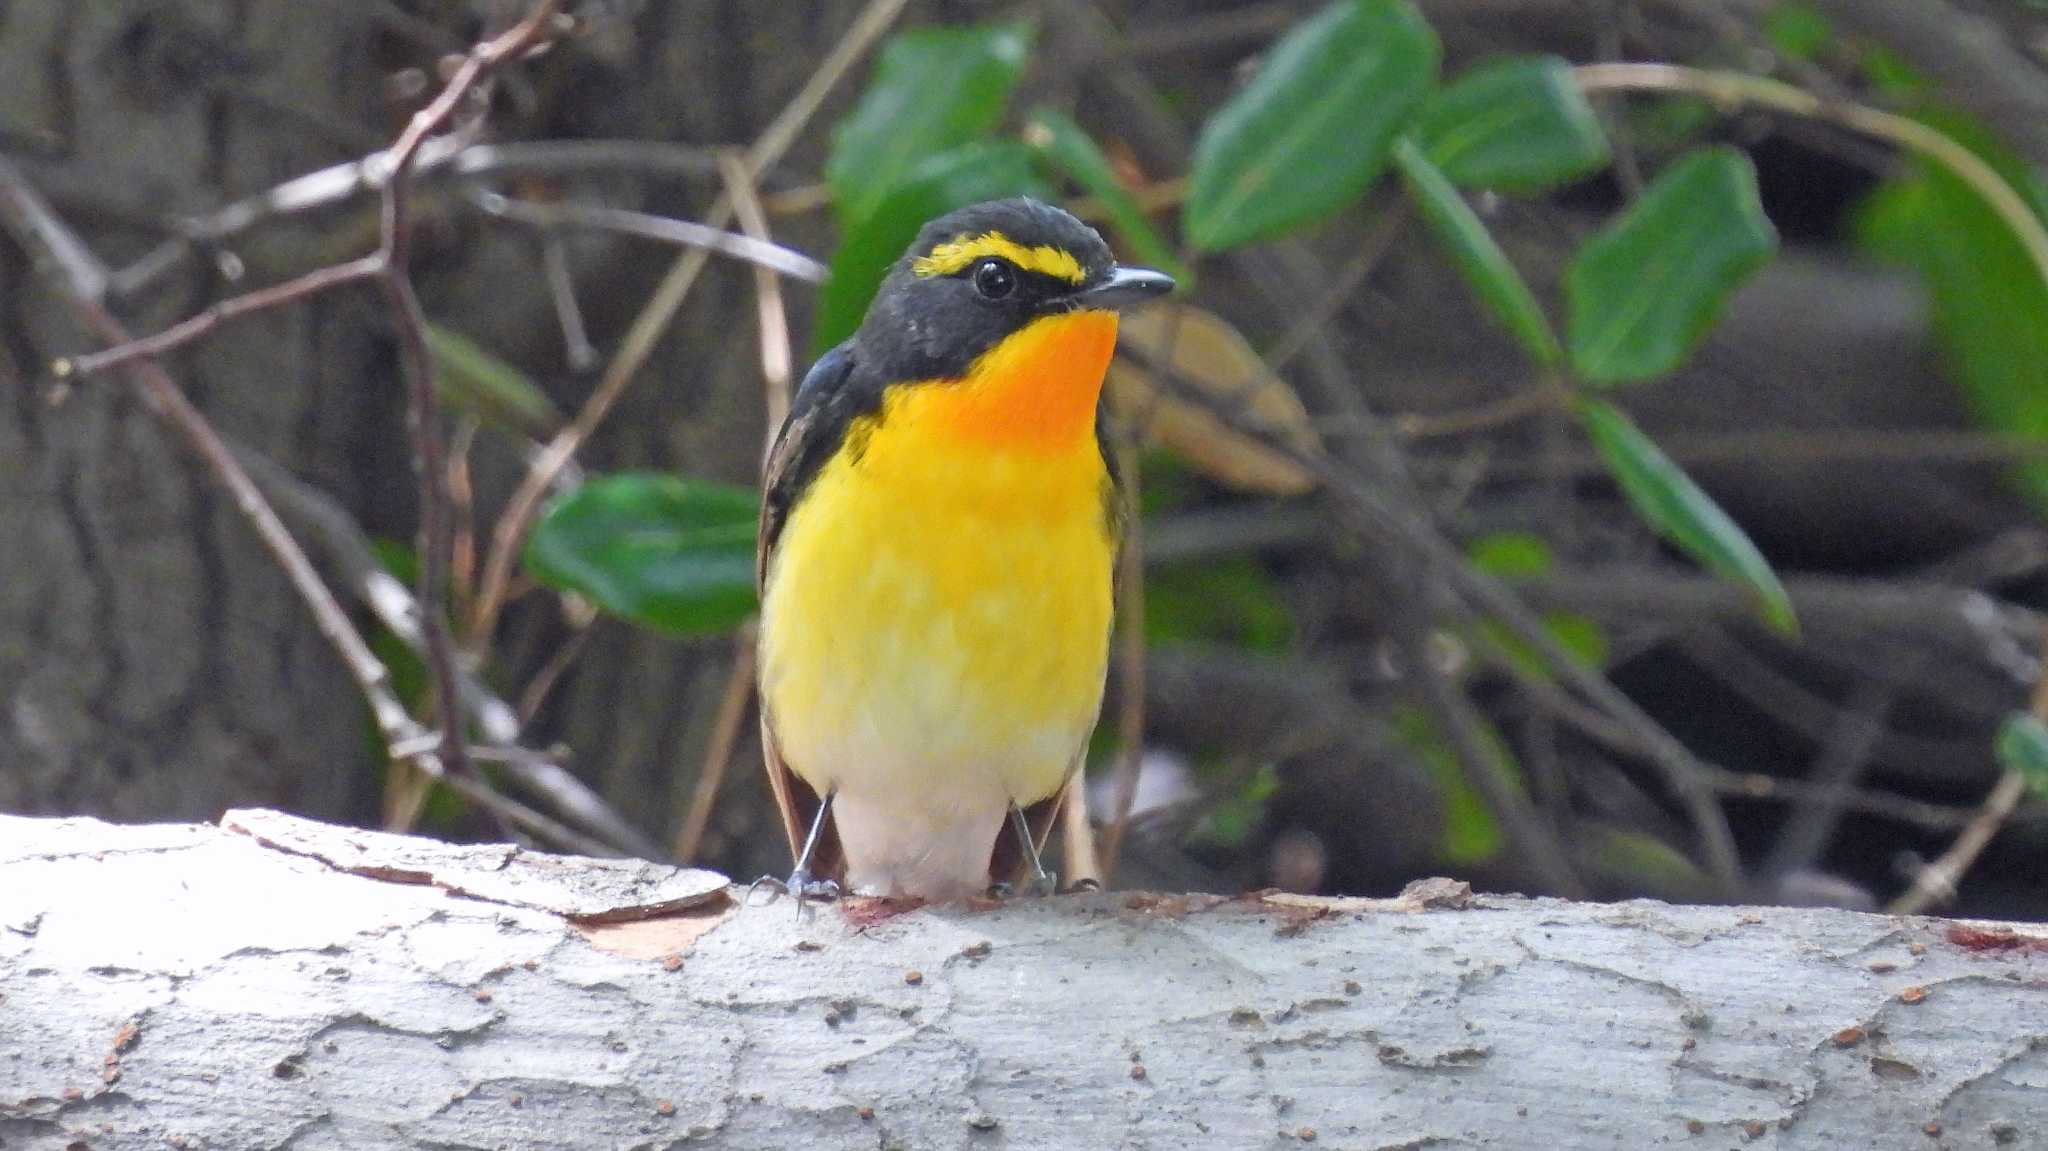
(1125, 287)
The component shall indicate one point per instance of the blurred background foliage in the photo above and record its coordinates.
(1701, 348)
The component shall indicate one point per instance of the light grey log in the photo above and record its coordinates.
(274, 983)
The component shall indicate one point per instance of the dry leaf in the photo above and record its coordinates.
(1208, 355)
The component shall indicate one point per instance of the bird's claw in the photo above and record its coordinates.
(799, 884)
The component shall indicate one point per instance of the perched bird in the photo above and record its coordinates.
(939, 529)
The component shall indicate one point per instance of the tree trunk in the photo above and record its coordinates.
(274, 982)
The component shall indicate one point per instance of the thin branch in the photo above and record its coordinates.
(452, 157)
(234, 307)
(1083, 862)
(1813, 819)
(554, 261)
(1461, 721)
(726, 728)
(655, 317)
(410, 323)
(1936, 883)
(685, 233)
(1379, 240)
(1735, 89)
(777, 355)
(1130, 656)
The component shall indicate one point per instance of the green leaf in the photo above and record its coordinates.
(1479, 259)
(1518, 125)
(1511, 555)
(949, 180)
(2023, 747)
(1070, 150)
(1471, 833)
(473, 380)
(1990, 304)
(1642, 862)
(1580, 636)
(1670, 502)
(1230, 822)
(1230, 600)
(1644, 292)
(670, 552)
(933, 89)
(1312, 130)
(1797, 31)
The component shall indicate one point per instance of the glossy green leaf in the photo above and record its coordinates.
(473, 380)
(1312, 129)
(673, 553)
(1485, 267)
(1471, 833)
(1517, 125)
(1990, 304)
(1644, 292)
(949, 180)
(2023, 747)
(1070, 150)
(933, 89)
(1671, 503)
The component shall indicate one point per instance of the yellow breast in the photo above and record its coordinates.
(935, 620)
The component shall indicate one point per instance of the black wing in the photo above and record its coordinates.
(823, 408)
(819, 415)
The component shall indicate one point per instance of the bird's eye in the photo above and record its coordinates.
(994, 279)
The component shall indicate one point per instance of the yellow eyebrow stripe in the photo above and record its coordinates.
(948, 258)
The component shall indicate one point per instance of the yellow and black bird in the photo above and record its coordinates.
(939, 530)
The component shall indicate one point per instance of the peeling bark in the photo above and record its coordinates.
(277, 983)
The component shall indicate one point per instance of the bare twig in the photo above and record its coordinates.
(1130, 656)
(554, 216)
(410, 323)
(776, 353)
(1083, 863)
(351, 565)
(1378, 241)
(726, 727)
(655, 317)
(554, 260)
(1936, 883)
(1534, 838)
(580, 614)
(1812, 820)
(449, 157)
(185, 331)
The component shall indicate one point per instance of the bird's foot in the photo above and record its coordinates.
(1037, 888)
(1082, 887)
(800, 884)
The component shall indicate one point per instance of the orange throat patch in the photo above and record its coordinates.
(1035, 391)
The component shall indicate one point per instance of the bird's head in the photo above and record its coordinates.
(981, 275)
